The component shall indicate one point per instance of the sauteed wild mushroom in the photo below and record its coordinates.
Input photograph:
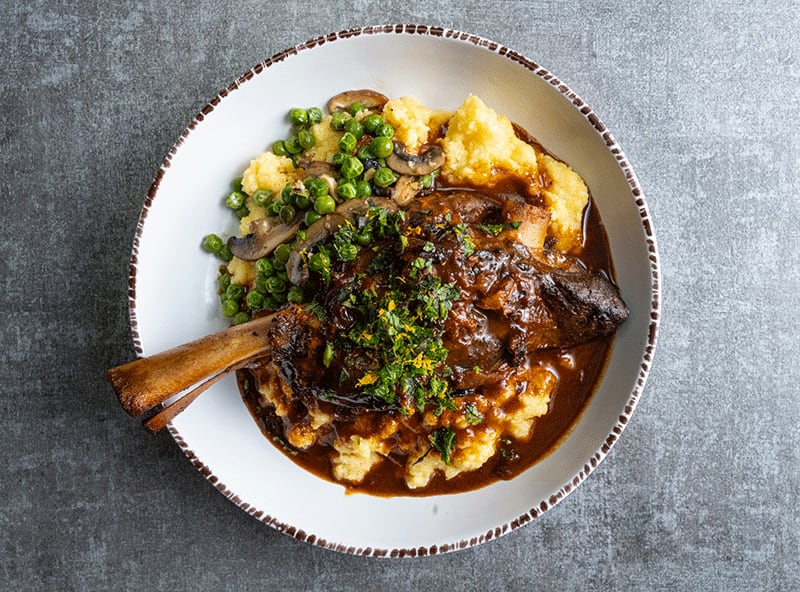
(422, 300)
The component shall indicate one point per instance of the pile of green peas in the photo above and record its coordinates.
(366, 140)
(272, 287)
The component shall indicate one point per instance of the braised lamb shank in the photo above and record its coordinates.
(508, 300)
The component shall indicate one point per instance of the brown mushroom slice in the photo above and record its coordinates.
(264, 238)
(371, 99)
(315, 234)
(322, 170)
(325, 227)
(405, 189)
(317, 168)
(425, 163)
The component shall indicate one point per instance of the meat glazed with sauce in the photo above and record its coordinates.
(525, 323)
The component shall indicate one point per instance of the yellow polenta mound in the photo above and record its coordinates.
(268, 171)
(413, 122)
(565, 195)
(480, 145)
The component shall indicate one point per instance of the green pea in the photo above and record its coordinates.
(261, 283)
(316, 187)
(347, 252)
(242, 212)
(327, 355)
(347, 190)
(276, 285)
(298, 117)
(262, 197)
(338, 120)
(319, 262)
(287, 213)
(234, 292)
(363, 188)
(301, 201)
(356, 108)
(286, 194)
(295, 294)
(371, 122)
(427, 181)
(324, 205)
(264, 265)
(347, 143)
(240, 317)
(354, 127)
(384, 129)
(351, 167)
(364, 236)
(364, 153)
(212, 243)
(273, 207)
(254, 300)
(314, 115)
(384, 177)
(310, 217)
(225, 253)
(279, 148)
(306, 139)
(292, 145)
(236, 184)
(282, 254)
(230, 307)
(270, 303)
(338, 158)
(235, 200)
(381, 146)
(223, 281)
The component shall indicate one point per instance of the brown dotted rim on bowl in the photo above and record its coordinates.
(655, 303)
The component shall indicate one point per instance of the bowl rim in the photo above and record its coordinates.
(647, 227)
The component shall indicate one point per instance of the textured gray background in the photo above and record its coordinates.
(700, 494)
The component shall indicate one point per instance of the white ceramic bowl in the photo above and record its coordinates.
(172, 296)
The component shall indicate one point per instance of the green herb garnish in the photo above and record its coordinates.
(495, 229)
(443, 441)
(473, 416)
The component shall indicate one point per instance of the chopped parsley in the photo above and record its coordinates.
(473, 416)
(443, 441)
(396, 337)
(400, 335)
(465, 238)
(495, 229)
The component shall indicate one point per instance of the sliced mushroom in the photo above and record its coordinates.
(315, 234)
(425, 163)
(325, 227)
(265, 236)
(371, 99)
(317, 168)
(405, 189)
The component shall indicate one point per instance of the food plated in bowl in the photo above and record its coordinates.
(439, 236)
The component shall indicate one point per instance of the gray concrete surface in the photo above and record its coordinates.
(700, 494)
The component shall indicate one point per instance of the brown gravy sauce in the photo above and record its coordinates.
(578, 371)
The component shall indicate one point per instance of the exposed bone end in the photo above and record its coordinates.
(143, 384)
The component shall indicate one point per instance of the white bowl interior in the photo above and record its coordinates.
(175, 301)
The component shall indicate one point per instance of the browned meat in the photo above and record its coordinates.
(512, 301)
(504, 300)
